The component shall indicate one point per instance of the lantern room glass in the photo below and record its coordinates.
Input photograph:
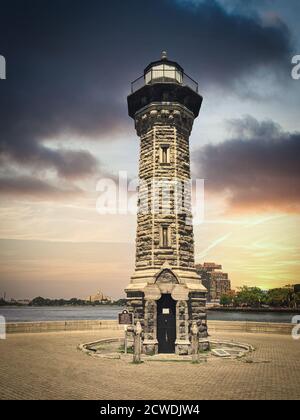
(163, 73)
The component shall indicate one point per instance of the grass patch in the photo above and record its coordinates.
(121, 349)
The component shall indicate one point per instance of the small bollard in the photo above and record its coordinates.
(195, 342)
(137, 343)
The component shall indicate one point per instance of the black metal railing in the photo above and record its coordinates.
(164, 76)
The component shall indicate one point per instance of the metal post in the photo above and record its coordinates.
(137, 343)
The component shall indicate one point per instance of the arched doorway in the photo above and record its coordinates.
(166, 324)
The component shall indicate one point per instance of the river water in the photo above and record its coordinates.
(63, 313)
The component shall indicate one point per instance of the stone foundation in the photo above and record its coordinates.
(190, 307)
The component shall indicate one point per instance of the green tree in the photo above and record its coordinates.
(250, 296)
(280, 297)
(38, 301)
(226, 300)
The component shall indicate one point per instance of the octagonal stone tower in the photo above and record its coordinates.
(165, 292)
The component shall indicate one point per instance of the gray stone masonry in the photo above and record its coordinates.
(158, 268)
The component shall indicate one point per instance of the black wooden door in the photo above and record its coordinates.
(166, 324)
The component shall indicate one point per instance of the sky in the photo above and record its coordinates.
(64, 126)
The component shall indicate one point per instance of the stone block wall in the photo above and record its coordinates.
(135, 304)
(96, 325)
(160, 125)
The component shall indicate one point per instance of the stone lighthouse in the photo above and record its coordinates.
(165, 292)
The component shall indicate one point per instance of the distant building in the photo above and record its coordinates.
(23, 301)
(20, 301)
(296, 288)
(216, 282)
(99, 297)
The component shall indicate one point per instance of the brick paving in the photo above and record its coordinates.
(48, 366)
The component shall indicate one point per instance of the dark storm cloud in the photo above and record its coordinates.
(70, 164)
(258, 167)
(70, 63)
(32, 187)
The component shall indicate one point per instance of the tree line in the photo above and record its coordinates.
(283, 297)
(40, 301)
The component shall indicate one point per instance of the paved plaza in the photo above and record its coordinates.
(49, 366)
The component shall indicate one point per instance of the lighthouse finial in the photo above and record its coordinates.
(164, 55)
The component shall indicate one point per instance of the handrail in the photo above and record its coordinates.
(161, 76)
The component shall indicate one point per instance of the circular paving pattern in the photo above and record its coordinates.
(113, 348)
